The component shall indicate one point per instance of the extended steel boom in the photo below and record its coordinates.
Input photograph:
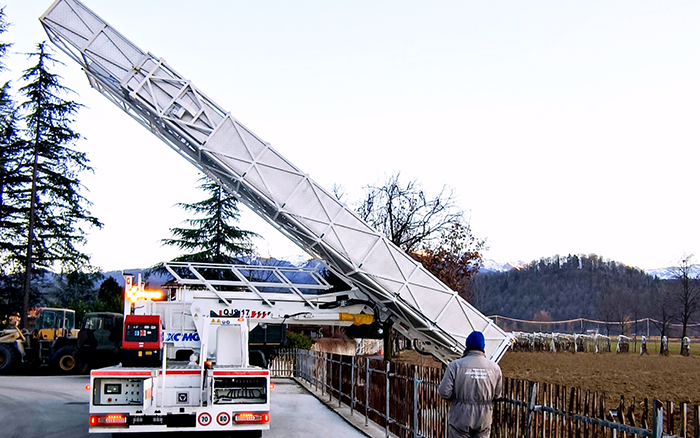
(148, 89)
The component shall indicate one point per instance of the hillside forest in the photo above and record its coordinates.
(578, 286)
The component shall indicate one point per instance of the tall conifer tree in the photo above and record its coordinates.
(213, 237)
(50, 212)
(11, 150)
(10, 146)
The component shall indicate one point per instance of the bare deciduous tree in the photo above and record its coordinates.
(406, 215)
(688, 294)
(431, 230)
(663, 309)
(455, 259)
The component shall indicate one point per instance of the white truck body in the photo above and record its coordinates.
(205, 381)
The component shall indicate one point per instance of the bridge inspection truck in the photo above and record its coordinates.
(185, 363)
(405, 296)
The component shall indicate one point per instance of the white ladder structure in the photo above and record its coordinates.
(252, 282)
(154, 94)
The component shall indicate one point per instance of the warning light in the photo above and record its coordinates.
(241, 319)
(252, 417)
(134, 294)
(87, 387)
(272, 386)
(108, 420)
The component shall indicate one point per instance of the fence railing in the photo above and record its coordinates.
(532, 409)
(403, 399)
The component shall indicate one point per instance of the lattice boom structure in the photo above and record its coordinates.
(419, 305)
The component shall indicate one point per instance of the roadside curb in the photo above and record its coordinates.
(356, 419)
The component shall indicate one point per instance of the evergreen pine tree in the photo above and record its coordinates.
(50, 215)
(213, 237)
(110, 297)
(9, 147)
(10, 153)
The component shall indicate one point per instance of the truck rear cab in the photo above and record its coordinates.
(154, 394)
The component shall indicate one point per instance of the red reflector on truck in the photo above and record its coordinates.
(252, 417)
(108, 420)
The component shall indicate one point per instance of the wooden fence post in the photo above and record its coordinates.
(323, 376)
(578, 411)
(631, 420)
(657, 430)
(621, 410)
(670, 409)
(386, 429)
(352, 385)
(366, 391)
(684, 420)
(601, 415)
(645, 414)
(586, 411)
(415, 404)
(547, 418)
(530, 408)
(571, 422)
(594, 413)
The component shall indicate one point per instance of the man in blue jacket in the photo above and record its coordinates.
(471, 384)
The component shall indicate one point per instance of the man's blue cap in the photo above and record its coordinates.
(475, 341)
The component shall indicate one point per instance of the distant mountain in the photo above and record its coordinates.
(568, 287)
(153, 280)
(670, 273)
(490, 266)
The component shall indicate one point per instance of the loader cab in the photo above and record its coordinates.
(52, 324)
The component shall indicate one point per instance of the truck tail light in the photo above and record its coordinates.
(108, 420)
(252, 417)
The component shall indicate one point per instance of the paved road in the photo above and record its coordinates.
(51, 406)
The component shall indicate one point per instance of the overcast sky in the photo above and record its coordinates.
(563, 127)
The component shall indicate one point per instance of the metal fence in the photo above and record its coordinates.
(403, 399)
(532, 409)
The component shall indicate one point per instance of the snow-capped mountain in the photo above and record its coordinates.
(672, 272)
(494, 266)
(490, 266)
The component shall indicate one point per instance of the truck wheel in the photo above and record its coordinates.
(64, 360)
(8, 358)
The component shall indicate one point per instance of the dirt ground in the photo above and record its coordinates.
(667, 378)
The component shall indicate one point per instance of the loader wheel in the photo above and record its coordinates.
(8, 358)
(64, 360)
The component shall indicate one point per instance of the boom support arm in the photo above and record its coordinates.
(170, 106)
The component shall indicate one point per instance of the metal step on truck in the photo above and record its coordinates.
(185, 364)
